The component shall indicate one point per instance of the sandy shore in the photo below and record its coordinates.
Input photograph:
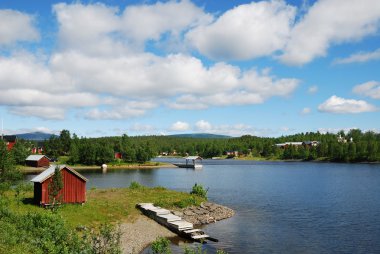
(139, 234)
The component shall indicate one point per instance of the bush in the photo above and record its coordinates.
(186, 202)
(135, 185)
(107, 240)
(161, 246)
(197, 250)
(199, 190)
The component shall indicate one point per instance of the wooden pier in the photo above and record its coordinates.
(174, 223)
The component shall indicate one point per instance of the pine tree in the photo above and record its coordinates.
(55, 187)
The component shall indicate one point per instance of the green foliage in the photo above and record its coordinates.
(21, 190)
(191, 201)
(197, 250)
(161, 246)
(55, 187)
(65, 141)
(135, 186)
(37, 233)
(95, 151)
(199, 190)
(106, 240)
(9, 174)
(221, 252)
(21, 150)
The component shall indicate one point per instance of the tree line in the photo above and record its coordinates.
(365, 147)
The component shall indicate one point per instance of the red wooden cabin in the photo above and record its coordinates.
(118, 155)
(74, 186)
(10, 141)
(37, 161)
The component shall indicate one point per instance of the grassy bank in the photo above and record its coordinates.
(107, 205)
(27, 228)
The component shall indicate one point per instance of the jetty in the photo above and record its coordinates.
(174, 223)
(191, 162)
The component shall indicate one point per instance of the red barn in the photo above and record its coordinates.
(37, 161)
(10, 141)
(74, 186)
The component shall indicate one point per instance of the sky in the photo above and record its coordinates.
(264, 68)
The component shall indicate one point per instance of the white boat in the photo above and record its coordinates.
(191, 162)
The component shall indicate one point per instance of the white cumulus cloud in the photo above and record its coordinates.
(203, 125)
(245, 32)
(370, 89)
(150, 22)
(180, 126)
(330, 22)
(338, 105)
(16, 26)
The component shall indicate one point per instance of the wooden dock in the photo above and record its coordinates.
(174, 223)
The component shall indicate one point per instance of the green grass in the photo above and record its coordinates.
(111, 205)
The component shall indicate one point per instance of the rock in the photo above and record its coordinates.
(206, 213)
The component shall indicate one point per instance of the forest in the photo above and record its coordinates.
(353, 146)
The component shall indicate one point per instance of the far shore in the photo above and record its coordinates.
(25, 169)
(154, 165)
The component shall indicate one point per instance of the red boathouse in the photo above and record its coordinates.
(37, 161)
(74, 186)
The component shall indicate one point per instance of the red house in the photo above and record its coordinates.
(73, 191)
(118, 155)
(37, 161)
(10, 141)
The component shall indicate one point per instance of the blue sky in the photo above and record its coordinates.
(265, 68)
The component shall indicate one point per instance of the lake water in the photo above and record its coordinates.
(281, 207)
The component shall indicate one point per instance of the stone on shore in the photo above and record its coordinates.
(205, 213)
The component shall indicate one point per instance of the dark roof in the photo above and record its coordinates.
(10, 138)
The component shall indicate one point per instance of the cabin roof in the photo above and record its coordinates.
(50, 171)
(193, 158)
(36, 157)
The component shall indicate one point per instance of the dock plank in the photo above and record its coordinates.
(192, 230)
(200, 236)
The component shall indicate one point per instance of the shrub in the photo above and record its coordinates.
(135, 185)
(197, 250)
(199, 190)
(161, 246)
(186, 202)
(107, 240)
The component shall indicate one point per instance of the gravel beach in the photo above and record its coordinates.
(139, 234)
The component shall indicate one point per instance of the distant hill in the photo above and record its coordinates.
(199, 135)
(35, 136)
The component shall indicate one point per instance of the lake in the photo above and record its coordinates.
(281, 207)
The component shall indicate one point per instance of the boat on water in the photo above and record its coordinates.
(191, 162)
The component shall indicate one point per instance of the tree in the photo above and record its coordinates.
(9, 174)
(65, 140)
(52, 147)
(20, 151)
(55, 187)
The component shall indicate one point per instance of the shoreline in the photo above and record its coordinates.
(24, 169)
(143, 231)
